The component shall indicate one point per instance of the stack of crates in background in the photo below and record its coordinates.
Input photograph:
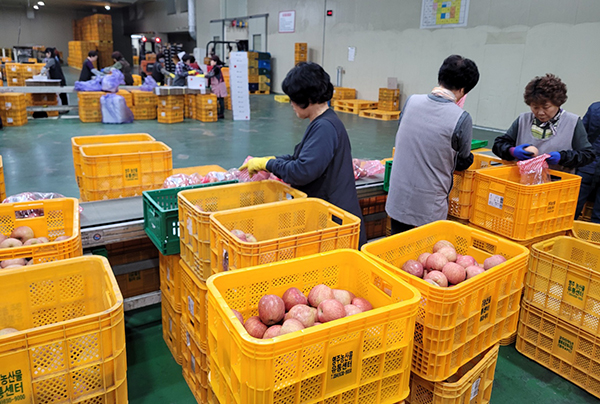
(13, 109)
(142, 280)
(14, 75)
(171, 108)
(253, 79)
(98, 29)
(78, 52)
(2, 183)
(105, 50)
(343, 93)
(225, 72)
(190, 105)
(71, 330)
(485, 309)
(89, 106)
(300, 52)
(560, 320)
(264, 72)
(374, 215)
(206, 108)
(144, 104)
(389, 99)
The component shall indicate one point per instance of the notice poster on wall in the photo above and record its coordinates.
(287, 22)
(444, 13)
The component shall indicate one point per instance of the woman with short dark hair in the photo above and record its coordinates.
(55, 72)
(217, 84)
(88, 70)
(122, 65)
(433, 140)
(321, 165)
(548, 127)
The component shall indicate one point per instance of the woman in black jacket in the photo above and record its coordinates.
(55, 72)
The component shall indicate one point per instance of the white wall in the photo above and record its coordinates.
(156, 19)
(510, 40)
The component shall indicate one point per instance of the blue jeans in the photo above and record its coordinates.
(589, 191)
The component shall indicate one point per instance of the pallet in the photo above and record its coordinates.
(282, 98)
(381, 115)
(353, 106)
(261, 92)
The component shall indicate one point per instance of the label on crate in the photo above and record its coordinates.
(475, 389)
(495, 201)
(342, 365)
(486, 308)
(564, 345)
(15, 380)
(575, 290)
(132, 174)
(191, 306)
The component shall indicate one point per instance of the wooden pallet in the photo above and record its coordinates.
(381, 115)
(353, 106)
(260, 92)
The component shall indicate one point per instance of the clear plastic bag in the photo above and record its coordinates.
(367, 168)
(149, 84)
(32, 196)
(182, 180)
(112, 81)
(534, 171)
(95, 84)
(115, 109)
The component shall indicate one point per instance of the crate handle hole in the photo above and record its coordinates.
(337, 220)
(28, 213)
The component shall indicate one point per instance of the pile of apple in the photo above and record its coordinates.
(445, 267)
(294, 311)
(22, 236)
(244, 236)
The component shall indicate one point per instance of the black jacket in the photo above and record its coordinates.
(86, 71)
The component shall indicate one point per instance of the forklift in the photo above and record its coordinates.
(148, 48)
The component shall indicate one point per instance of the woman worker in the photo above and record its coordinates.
(124, 66)
(590, 174)
(433, 140)
(321, 165)
(55, 72)
(217, 84)
(88, 71)
(548, 127)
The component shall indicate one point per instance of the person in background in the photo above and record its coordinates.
(217, 84)
(433, 140)
(88, 71)
(54, 71)
(183, 69)
(194, 65)
(122, 65)
(321, 165)
(590, 174)
(548, 127)
(158, 70)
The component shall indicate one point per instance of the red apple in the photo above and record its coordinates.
(305, 314)
(343, 296)
(290, 325)
(448, 252)
(15, 261)
(362, 304)
(23, 233)
(255, 327)
(250, 238)
(473, 270)
(2, 237)
(438, 277)
(11, 243)
(292, 297)
(61, 238)
(436, 261)
(352, 309)
(330, 310)
(239, 234)
(466, 260)
(272, 332)
(43, 240)
(454, 273)
(442, 244)
(318, 294)
(32, 241)
(238, 315)
(271, 309)
(423, 258)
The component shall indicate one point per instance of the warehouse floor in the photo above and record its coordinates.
(37, 157)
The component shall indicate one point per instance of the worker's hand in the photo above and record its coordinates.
(171, 75)
(256, 164)
(191, 72)
(554, 158)
(520, 153)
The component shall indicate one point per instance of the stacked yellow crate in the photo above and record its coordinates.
(44, 100)
(2, 184)
(225, 72)
(14, 75)
(144, 104)
(89, 106)
(13, 109)
(171, 108)
(300, 52)
(343, 93)
(170, 287)
(96, 29)
(253, 72)
(206, 107)
(78, 52)
(389, 99)
(190, 106)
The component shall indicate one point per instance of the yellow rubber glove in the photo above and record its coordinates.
(256, 164)
(191, 72)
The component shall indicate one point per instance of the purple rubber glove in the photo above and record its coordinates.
(554, 158)
(519, 152)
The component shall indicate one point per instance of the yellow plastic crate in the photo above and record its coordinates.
(2, 183)
(297, 367)
(170, 279)
(170, 115)
(144, 98)
(137, 79)
(171, 330)
(561, 347)
(49, 218)
(195, 367)
(389, 94)
(472, 384)
(521, 212)
(587, 231)
(196, 206)
(564, 280)
(171, 101)
(78, 141)
(284, 230)
(344, 93)
(586, 214)
(508, 341)
(90, 116)
(110, 172)
(13, 101)
(144, 113)
(14, 118)
(193, 307)
(456, 324)
(71, 341)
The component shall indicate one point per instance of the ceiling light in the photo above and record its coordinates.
(36, 7)
(107, 7)
(41, 3)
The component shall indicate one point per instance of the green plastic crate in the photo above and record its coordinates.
(386, 177)
(161, 216)
(478, 144)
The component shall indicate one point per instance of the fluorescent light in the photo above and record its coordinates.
(36, 7)
(107, 7)
(41, 3)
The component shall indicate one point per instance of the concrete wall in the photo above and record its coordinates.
(511, 41)
(155, 19)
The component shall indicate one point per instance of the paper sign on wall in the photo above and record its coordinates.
(351, 53)
(287, 21)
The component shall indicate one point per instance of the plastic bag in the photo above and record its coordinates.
(115, 110)
(32, 196)
(94, 84)
(149, 84)
(218, 176)
(111, 82)
(182, 180)
(367, 168)
(534, 171)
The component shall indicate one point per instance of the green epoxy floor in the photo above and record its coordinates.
(38, 157)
